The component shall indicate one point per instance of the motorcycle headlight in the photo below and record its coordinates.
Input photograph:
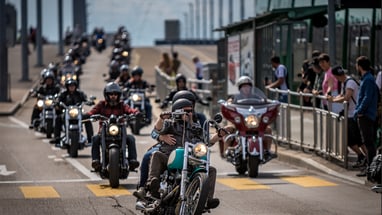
(68, 76)
(265, 119)
(136, 97)
(40, 103)
(74, 77)
(63, 78)
(125, 53)
(251, 121)
(113, 130)
(100, 40)
(48, 102)
(200, 150)
(73, 112)
(76, 62)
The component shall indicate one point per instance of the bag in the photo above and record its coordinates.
(374, 170)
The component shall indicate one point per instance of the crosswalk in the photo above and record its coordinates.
(239, 184)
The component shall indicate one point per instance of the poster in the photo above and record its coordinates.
(247, 56)
(233, 56)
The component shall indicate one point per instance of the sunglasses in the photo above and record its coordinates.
(187, 110)
(113, 94)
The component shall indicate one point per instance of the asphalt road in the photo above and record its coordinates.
(37, 178)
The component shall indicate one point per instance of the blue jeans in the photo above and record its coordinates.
(148, 108)
(145, 166)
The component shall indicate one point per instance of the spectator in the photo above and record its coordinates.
(307, 81)
(198, 70)
(366, 108)
(317, 86)
(280, 78)
(175, 64)
(165, 64)
(32, 36)
(349, 93)
(330, 85)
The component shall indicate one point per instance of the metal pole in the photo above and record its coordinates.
(39, 34)
(221, 16)
(60, 27)
(185, 25)
(204, 11)
(212, 18)
(191, 19)
(197, 19)
(241, 9)
(24, 41)
(230, 12)
(332, 31)
(3, 55)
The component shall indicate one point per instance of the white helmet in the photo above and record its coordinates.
(244, 80)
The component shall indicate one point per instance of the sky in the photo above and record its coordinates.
(144, 19)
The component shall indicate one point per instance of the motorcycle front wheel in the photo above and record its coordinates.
(49, 128)
(114, 167)
(253, 166)
(196, 195)
(74, 143)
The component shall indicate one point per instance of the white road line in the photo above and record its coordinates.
(84, 170)
(19, 122)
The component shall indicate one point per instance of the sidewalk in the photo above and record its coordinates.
(18, 90)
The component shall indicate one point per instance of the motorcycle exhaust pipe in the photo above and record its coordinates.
(140, 206)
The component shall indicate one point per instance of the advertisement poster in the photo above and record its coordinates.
(233, 53)
(246, 57)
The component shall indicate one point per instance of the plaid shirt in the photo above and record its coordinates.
(103, 108)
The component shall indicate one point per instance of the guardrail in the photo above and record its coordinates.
(300, 127)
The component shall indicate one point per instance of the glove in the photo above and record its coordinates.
(165, 115)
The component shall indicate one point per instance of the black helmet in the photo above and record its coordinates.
(71, 82)
(181, 103)
(53, 67)
(67, 59)
(137, 71)
(111, 87)
(179, 77)
(185, 94)
(124, 67)
(114, 64)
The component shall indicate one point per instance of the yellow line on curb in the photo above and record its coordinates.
(242, 184)
(31, 192)
(106, 190)
(308, 181)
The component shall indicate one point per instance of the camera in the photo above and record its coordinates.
(177, 114)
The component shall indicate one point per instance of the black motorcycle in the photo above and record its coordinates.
(115, 165)
(45, 123)
(136, 98)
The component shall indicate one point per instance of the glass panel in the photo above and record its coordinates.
(320, 2)
(302, 3)
(277, 4)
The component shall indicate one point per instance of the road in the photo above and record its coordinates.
(37, 178)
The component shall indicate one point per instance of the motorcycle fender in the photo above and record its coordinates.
(254, 146)
(175, 160)
(113, 145)
(73, 127)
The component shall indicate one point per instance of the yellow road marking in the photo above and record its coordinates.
(308, 181)
(242, 184)
(39, 192)
(106, 190)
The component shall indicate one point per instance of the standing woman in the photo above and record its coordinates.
(165, 63)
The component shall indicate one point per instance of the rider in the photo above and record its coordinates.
(113, 105)
(159, 158)
(124, 76)
(136, 82)
(246, 90)
(48, 87)
(71, 96)
(181, 82)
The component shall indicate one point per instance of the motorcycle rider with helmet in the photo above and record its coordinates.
(48, 87)
(71, 96)
(175, 129)
(181, 82)
(124, 76)
(113, 105)
(136, 82)
(246, 90)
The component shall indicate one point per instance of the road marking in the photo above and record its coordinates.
(105, 190)
(31, 192)
(83, 169)
(242, 184)
(19, 122)
(308, 181)
(5, 172)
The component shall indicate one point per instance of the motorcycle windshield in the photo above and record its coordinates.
(256, 96)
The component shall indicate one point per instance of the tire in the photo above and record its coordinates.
(253, 166)
(74, 143)
(49, 128)
(114, 167)
(242, 167)
(196, 195)
(135, 128)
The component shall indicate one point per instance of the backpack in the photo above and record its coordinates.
(374, 170)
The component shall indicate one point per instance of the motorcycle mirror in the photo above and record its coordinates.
(93, 98)
(221, 101)
(218, 118)
(157, 100)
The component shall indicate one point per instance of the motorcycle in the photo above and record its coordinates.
(250, 116)
(69, 73)
(136, 98)
(115, 165)
(46, 121)
(74, 139)
(184, 186)
(99, 42)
